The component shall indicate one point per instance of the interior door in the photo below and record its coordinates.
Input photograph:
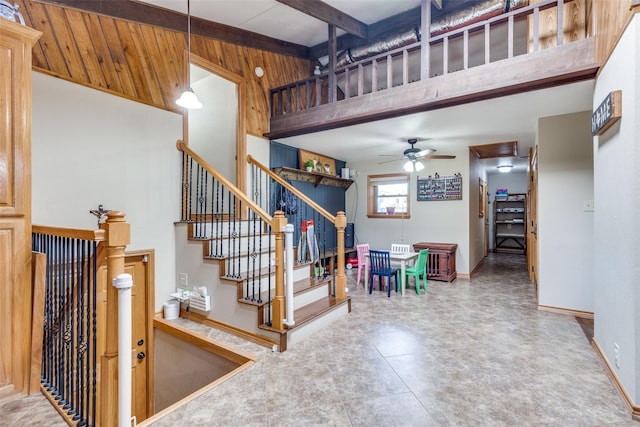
(140, 266)
(142, 319)
(532, 217)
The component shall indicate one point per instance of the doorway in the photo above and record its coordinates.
(217, 131)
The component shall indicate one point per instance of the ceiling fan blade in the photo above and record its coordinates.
(389, 161)
(425, 152)
(440, 156)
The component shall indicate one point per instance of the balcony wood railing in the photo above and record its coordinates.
(265, 188)
(77, 307)
(239, 231)
(446, 53)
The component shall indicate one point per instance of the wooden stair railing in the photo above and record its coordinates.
(361, 77)
(77, 342)
(203, 199)
(339, 221)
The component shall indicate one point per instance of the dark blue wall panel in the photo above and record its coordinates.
(329, 197)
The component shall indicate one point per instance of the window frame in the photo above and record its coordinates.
(372, 198)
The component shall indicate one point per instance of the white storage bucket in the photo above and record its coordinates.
(171, 309)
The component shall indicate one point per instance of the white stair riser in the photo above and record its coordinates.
(242, 245)
(299, 273)
(298, 334)
(224, 228)
(310, 296)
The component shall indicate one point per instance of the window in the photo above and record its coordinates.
(388, 196)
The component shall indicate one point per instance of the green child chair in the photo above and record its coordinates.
(419, 269)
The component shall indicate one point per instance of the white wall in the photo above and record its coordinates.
(617, 204)
(565, 229)
(91, 148)
(476, 222)
(514, 182)
(433, 221)
(212, 129)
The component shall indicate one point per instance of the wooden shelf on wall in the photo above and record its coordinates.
(312, 177)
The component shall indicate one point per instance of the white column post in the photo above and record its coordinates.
(288, 272)
(123, 283)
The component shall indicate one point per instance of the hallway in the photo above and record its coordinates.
(471, 353)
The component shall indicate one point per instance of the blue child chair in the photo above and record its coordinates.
(380, 265)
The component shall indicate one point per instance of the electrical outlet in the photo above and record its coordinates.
(616, 355)
(183, 281)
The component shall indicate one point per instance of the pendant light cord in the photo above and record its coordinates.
(189, 43)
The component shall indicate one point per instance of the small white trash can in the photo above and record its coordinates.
(171, 309)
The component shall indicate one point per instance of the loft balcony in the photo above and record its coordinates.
(538, 46)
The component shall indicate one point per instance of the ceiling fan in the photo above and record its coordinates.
(413, 156)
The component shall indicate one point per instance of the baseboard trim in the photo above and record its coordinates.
(635, 409)
(566, 311)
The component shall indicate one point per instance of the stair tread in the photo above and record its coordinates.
(311, 311)
(316, 308)
(264, 271)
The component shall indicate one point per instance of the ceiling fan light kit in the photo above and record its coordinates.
(413, 156)
(413, 166)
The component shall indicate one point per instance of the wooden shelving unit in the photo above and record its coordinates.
(312, 177)
(510, 223)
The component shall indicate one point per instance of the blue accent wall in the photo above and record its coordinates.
(329, 197)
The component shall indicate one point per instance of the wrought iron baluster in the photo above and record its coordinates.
(260, 225)
(239, 237)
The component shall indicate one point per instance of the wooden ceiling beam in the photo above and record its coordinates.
(144, 13)
(393, 25)
(329, 14)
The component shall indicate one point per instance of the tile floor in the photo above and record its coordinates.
(471, 353)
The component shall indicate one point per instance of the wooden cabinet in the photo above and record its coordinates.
(510, 223)
(441, 263)
(16, 42)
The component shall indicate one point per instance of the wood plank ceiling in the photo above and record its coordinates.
(146, 63)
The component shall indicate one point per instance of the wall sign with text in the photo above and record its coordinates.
(608, 112)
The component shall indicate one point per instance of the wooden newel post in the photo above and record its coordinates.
(278, 302)
(341, 278)
(117, 238)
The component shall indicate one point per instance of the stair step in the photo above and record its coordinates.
(312, 311)
(299, 287)
(263, 272)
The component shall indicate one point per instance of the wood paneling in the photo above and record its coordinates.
(574, 24)
(146, 63)
(612, 17)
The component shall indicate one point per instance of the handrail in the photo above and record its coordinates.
(236, 192)
(72, 290)
(527, 10)
(322, 211)
(74, 233)
(297, 96)
(339, 221)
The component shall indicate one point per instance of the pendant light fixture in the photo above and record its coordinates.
(188, 99)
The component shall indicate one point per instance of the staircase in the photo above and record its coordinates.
(240, 299)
